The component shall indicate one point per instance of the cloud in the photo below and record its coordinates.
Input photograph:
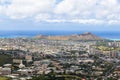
(87, 8)
(113, 22)
(89, 11)
(42, 17)
(73, 11)
(27, 8)
(88, 21)
(82, 21)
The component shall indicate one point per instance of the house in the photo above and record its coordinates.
(5, 71)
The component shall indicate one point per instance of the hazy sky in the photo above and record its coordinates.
(87, 15)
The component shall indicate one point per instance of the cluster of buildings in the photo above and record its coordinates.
(33, 57)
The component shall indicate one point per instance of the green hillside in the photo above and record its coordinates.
(5, 59)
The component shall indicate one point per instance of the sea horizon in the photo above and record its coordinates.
(112, 35)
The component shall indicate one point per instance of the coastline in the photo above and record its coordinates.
(29, 34)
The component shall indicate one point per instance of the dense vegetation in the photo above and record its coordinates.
(53, 77)
(5, 59)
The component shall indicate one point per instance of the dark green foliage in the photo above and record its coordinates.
(40, 77)
(5, 59)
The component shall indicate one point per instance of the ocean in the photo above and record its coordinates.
(14, 34)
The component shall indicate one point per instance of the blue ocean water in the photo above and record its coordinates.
(13, 34)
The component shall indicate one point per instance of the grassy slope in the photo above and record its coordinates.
(4, 78)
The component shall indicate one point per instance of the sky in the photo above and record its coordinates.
(67, 15)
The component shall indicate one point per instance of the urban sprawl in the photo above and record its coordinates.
(44, 59)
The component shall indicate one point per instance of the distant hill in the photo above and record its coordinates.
(84, 36)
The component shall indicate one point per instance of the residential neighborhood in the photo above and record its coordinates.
(30, 57)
